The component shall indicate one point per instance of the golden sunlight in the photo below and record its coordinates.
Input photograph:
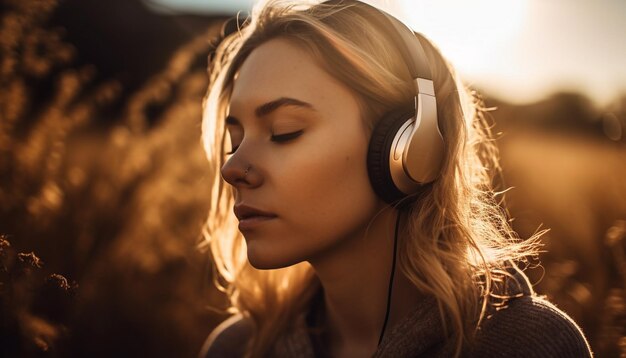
(469, 33)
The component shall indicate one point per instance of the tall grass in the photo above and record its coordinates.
(111, 201)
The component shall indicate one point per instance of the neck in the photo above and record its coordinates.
(355, 277)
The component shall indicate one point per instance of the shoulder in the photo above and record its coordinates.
(530, 326)
(229, 339)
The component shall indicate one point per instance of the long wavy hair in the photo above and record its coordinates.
(458, 239)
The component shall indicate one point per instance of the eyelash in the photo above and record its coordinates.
(286, 137)
(282, 138)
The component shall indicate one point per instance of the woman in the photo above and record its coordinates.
(359, 171)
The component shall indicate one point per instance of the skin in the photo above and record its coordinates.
(317, 186)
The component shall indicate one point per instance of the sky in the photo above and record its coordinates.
(522, 50)
(517, 50)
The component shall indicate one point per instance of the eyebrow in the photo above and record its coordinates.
(269, 107)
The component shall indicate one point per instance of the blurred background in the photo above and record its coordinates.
(102, 192)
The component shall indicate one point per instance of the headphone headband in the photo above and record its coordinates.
(403, 38)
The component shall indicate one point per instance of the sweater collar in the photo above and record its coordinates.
(418, 333)
(421, 333)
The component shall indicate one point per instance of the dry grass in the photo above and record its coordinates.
(113, 205)
(574, 185)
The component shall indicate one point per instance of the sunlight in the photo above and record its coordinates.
(468, 33)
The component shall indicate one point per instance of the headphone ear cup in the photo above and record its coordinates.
(379, 150)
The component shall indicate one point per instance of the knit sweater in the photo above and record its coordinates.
(525, 326)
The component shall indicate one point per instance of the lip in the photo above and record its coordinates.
(250, 217)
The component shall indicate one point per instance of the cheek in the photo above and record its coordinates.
(322, 201)
(321, 191)
(329, 194)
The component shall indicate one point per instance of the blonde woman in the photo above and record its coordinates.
(353, 213)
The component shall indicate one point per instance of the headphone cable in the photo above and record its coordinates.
(391, 275)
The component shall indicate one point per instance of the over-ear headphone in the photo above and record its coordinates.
(406, 148)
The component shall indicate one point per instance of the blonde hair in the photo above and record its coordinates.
(457, 239)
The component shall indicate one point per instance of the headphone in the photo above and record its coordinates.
(406, 148)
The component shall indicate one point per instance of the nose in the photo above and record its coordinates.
(240, 173)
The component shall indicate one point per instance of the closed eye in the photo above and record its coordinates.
(280, 138)
(232, 151)
(234, 135)
(286, 137)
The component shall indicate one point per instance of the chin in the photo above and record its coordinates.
(266, 258)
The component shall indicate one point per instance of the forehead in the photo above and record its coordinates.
(279, 68)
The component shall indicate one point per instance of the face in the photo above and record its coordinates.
(300, 148)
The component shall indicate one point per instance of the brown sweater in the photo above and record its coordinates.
(526, 326)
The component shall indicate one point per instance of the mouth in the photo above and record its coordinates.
(250, 217)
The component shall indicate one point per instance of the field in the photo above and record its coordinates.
(575, 187)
